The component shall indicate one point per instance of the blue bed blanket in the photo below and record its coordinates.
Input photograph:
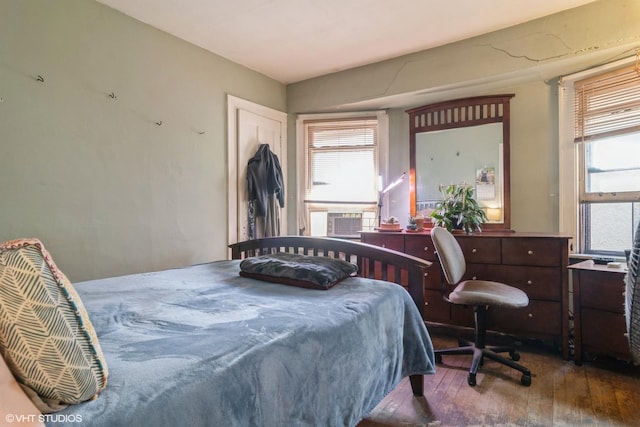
(202, 346)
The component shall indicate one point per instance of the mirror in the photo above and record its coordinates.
(465, 140)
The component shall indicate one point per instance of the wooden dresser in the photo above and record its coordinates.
(598, 304)
(534, 262)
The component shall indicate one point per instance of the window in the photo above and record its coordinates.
(341, 167)
(606, 118)
(609, 202)
(342, 160)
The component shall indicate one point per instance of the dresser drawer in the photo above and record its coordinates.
(601, 290)
(420, 246)
(538, 318)
(484, 250)
(393, 241)
(434, 278)
(604, 332)
(436, 309)
(462, 315)
(537, 282)
(532, 251)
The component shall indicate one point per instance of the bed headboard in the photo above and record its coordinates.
(373, 261)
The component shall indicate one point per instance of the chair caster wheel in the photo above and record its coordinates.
(438, 358)
(525, 380)
(471, 379)
(515, 356)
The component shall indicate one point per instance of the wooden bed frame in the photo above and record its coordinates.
(373, 262)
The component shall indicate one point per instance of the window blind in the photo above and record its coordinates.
(608, 104)
(342, 159)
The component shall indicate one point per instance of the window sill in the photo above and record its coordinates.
(582, 257)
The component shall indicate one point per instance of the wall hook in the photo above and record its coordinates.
(113, 96)
(159, 123)
(39, 78)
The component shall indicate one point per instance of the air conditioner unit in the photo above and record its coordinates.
(344, 224)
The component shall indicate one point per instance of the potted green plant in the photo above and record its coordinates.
(458, 209)
(390, 224)
(416, 223)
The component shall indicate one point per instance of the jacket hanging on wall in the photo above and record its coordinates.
(265, 185)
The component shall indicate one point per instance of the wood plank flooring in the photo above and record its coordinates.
(601, 392)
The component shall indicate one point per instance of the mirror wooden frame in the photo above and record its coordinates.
(457, 114)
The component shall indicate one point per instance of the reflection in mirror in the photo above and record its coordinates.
(462, 141)
(471, 155)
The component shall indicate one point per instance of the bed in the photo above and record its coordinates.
(203, 346)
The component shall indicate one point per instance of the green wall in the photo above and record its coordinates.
(106, 189)
(525, 60)
(110, 192)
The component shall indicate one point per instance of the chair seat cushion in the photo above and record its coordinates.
(483, 292)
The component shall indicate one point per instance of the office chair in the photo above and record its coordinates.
(480, 294)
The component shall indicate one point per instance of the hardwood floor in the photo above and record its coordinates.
(599, 393)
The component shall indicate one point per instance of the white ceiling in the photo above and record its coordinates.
(294, 40)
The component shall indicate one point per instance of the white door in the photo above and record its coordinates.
(249, 126)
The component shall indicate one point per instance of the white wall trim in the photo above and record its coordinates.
(569, 151)
(568, 220)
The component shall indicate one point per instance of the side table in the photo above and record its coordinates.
(598, 310)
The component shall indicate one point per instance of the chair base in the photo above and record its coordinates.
(491, 352)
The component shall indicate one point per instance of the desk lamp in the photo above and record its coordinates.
(381, 193)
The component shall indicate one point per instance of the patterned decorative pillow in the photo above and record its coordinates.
(304, 271)
(46, 336)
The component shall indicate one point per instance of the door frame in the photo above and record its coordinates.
(233, 105)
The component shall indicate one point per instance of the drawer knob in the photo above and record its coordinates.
(384, 246)
(530, 252)
(529, 282)
(426, 248)
(530, 315)
(473, 251)
(474, 278)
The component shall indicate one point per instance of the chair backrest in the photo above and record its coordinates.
(450, 255)
(632, 297)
